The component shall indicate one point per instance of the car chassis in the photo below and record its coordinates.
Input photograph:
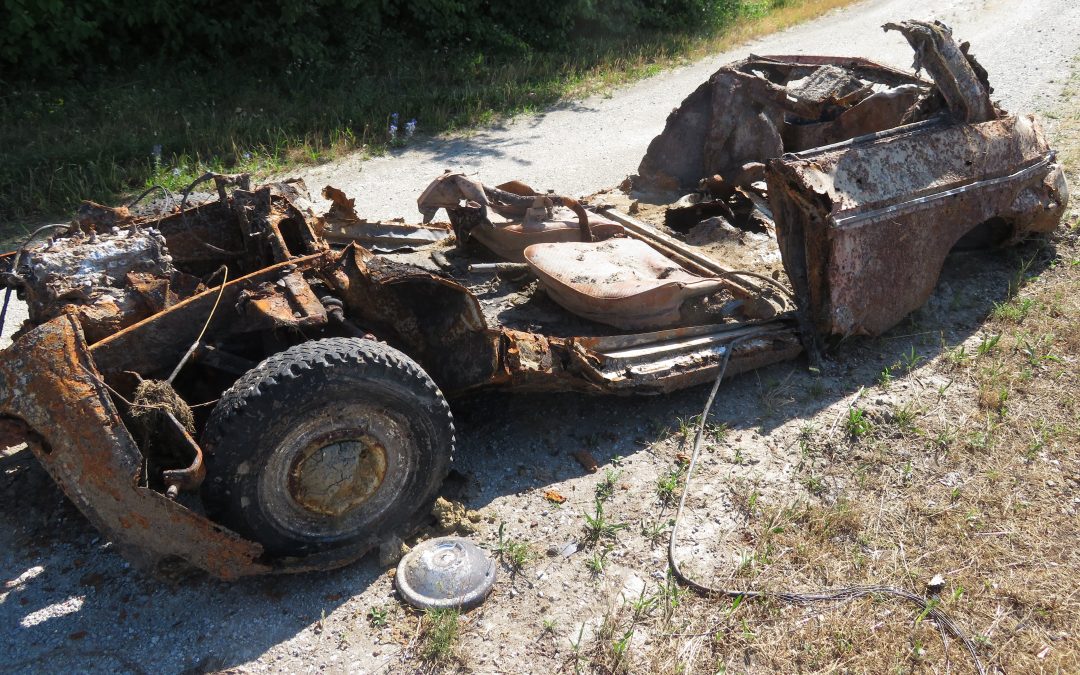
(870, 177)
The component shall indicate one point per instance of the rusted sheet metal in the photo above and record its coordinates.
(51, 385)
(758, 108)
(666, 361)
(864, 226)
(511, 217)
(645, 363)
(341, 225)
(287, 303)
(435, 320)
(958, 76)
(157, 343)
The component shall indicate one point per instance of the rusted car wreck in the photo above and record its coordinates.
(244, 386)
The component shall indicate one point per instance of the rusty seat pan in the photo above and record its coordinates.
(509, 239)
(619, 282)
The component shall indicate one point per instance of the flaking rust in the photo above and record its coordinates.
(866, 176)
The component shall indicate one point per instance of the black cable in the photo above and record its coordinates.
(943, 620)
(3, 310)
(164, 191)
(183, 219)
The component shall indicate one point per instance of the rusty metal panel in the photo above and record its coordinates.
(957, 75)
(644, 363)
(864, 226)
(746, 114)
(288, 302)
(50, 385)
(158, 342)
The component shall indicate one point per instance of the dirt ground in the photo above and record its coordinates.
(947, 447)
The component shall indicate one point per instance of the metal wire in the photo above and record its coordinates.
(183, 217)
(945, 623)
(3, 310)
(164, 191)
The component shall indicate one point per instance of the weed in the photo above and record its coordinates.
(988, 344)
(957, 356)
(944, 388)
(1015, 310)
(605, 488)
(514, 554)
(441, 630)
(815, 484)
(904, 417)
(598, 526)
(597, 561)
(910, 359)
(619, 648)
(751, 503)
(654, 530)
(1037, 351)
(738, 458)
(687, 425)
(857, 423)
(885, 378)
(906, 472)
(644, 605)
(669, 596)
(378, 617)
(668, 484)
(550, 625)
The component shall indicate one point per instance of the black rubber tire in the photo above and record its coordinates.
(313, 401)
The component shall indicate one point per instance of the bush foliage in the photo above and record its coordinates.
(58, 39)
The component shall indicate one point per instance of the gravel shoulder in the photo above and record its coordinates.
(70, 602)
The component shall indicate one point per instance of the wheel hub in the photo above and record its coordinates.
(336, 473)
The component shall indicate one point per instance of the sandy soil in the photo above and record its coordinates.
(71, 603)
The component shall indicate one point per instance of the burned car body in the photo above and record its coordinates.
(873, 175)
(245, 386)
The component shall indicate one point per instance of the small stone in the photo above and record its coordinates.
(391, 551)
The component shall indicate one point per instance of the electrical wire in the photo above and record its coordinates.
(164, 191)
(183, 218)
(195, 344)
(16, 261)
(930, 610)
(3, 310)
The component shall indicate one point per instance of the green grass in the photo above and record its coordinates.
(513, 553)
(857, 423)
(96, 138)
(441, 630)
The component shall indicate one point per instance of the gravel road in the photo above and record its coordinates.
(70, 603)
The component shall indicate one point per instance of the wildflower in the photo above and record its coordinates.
(247, 156)
(176, 172)
(410, 128)
(393, 131)
(156, 152)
